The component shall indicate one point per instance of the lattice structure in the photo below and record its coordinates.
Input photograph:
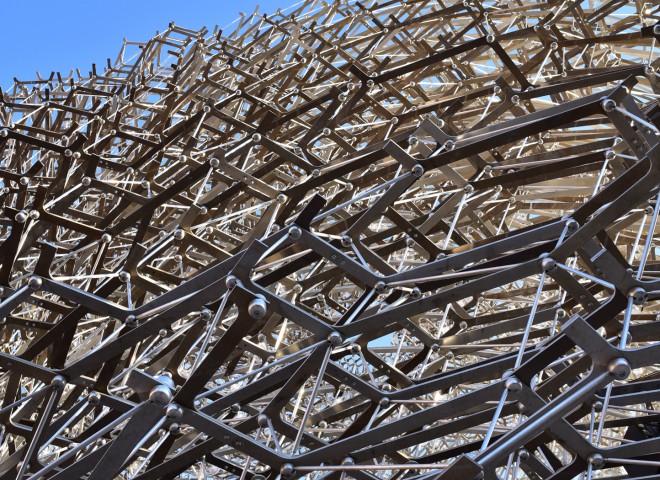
(396, 239)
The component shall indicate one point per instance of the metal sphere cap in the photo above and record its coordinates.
(619, 368)
(174, 412)
(335, 339)
(35, 282)
(513, 385)
(638, 295)
(58, 382)
(258, 308)
(160, 395)
(295, 232)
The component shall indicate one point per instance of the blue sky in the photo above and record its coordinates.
(60, 36)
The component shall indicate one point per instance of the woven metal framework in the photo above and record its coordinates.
(377, 240)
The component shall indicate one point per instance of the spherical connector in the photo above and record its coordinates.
(34, 214)
(355, 348)
(523, 454)
(596, 459)
(24, 181)
(413, 141)
(449, 145)
(231, 281)
(638, 295)
(287, 470)
(548, 264)
(490, 38)
(515, 99)
(4, 133)
(513, 385)
(416, 293)
(256, 138)
(609, 154)
(214, 162)
(619, 368)
(174, 412)
(380, 287)
(597, 406)
(35, 282)
(335, 339)
(106, 238)
(94, 398)
(346, 241)
(160, 395)
(348, 461)
(175, 428)
(258, 308)
(22, 216)
(469, 189)
(281, 198)
(205, 314)
(58, 383)
(235, 408)
(86, 181)
(262, 420)
(131, 321)
(417, 171)
(561, 313)
(608, 105)
(179, 234)
(572, 224)
(297, 288)
(435, 347)
(124, 276)
(68, 153)
(656, 29)
(384, 402)
(295, 232)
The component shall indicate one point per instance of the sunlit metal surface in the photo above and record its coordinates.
(394, 239)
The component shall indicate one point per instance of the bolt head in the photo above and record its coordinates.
(258, 308)
(160, 395)
(256, 138)
(94, 398)
(214, 162)
(416, 293)
(335, 339)
(174, 412)
(548, 264)
(58, 383)
(513, 385)
(608, 105)
(295, 232)
(22, 216)
(35, 282)
(287, 470)
(619, 368)
(231, 281)
(262, 420)
(346, 241)
(596, 459)
(179, 234)
(124, 276)
(638, 295)
(418, 171)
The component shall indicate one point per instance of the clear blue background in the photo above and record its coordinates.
(67, 34)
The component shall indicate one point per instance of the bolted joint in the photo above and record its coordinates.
(262, 420)
(596, 459)
(295, 232)
(619, 368)
(548, 264)
(231, 281)
(174, 412)
(572, 224)
(258, 308)
(58, 383)
(416, 293)
(287, 470)
(384, 402)
(608, 105)
(418, 171)
(638, 295)
(656, 29)
(523, 454)
(94, 398)
(513, 385)
(380, 287)
(160, 395)
(346, 241)
(131, 321)
(335, 339)
(35, 283)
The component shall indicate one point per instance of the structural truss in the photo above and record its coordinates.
(377, 240)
